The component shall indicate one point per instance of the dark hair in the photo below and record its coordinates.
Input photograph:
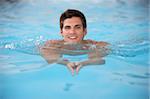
(72, 13)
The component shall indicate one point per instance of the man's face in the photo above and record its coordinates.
(73, 31)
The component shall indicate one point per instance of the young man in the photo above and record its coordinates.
(73, 28)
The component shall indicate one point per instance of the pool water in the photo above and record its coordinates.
(24, 74)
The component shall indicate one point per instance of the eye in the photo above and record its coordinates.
(78, 27)
(67, 27)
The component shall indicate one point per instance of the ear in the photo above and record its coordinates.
(61, 32)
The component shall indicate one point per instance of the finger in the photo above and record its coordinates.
(78, 69)
(71, 68)
(72, 72)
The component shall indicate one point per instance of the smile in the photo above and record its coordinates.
(72, 37)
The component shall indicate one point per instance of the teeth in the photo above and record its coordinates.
(72, 37)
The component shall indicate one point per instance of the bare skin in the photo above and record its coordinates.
(73, 34)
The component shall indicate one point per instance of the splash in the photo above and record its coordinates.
(31, 46)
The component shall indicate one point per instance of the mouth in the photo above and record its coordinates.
(72, 37)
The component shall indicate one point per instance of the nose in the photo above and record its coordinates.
(72, 31)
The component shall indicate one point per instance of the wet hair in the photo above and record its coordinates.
(72, 13)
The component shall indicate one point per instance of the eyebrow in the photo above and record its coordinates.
(78, 25)
(75, 25)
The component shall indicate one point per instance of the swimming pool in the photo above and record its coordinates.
(25, 75)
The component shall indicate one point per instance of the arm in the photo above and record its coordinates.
(95, 61)
(95, 56)
(51, 54)
(90, 61)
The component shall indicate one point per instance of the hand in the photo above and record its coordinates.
(78, 67)
(72, 66)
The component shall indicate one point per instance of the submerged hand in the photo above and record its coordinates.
(74, 66)
(71, 66)
(78, 67)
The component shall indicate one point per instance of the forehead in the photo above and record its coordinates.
(73, 21)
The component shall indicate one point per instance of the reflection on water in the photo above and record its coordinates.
(124, 49)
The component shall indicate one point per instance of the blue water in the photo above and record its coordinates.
(24, 74)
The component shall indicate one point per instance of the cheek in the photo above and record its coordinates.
(63, 33)
(81, 36)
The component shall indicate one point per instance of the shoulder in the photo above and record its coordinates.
(102, 43)
(97, 43)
